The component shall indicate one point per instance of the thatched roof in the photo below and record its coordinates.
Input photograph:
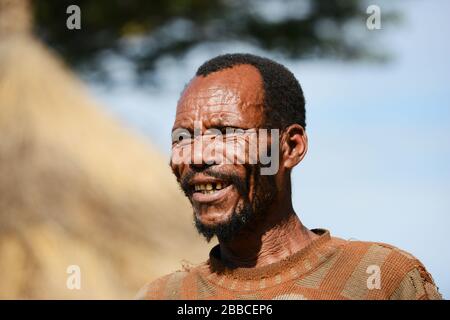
(78, 188)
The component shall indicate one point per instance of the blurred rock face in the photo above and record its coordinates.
(78, 189)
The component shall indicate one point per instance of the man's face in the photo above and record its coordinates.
(224, 196)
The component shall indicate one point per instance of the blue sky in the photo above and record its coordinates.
(378, 162)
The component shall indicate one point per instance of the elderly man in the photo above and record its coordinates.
(238, 133)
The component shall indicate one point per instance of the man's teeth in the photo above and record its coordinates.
(208, 187)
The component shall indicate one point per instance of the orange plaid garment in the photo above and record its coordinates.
(328, 268)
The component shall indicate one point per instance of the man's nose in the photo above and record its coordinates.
(204, 154)
(199, 166)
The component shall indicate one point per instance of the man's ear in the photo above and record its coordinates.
(294, 146)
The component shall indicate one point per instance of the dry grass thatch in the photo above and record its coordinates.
(78, 188)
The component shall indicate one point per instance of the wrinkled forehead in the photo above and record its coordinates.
(232, 92)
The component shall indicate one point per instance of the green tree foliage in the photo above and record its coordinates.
(144, 31)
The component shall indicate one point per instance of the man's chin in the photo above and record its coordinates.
(224, 226)
(211, 218)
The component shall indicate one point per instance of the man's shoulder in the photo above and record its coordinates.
(377, 253)
(386, 271)
(168, 286)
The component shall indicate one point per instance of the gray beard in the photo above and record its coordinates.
(243, 215)
(226, 231)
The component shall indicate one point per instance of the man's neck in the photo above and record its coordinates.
(267, 242)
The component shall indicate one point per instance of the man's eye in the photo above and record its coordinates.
(181, 135)
(234, 132)
(228, 130)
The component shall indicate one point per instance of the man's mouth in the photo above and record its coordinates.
(207, 190)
